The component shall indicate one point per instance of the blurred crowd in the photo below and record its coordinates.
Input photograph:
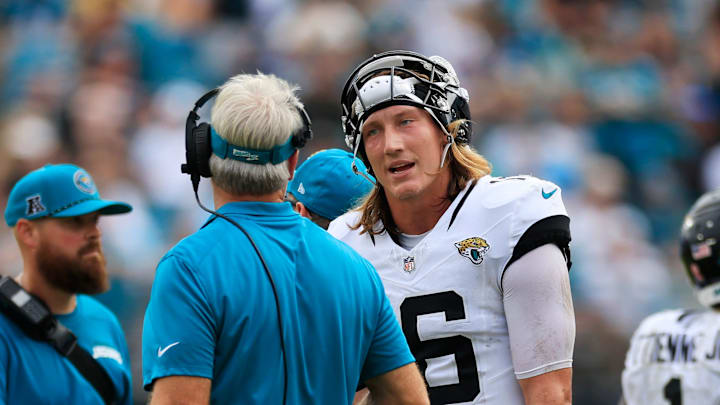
(614, 100)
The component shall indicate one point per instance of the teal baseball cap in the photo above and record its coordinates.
(326, 184)
(58, 191)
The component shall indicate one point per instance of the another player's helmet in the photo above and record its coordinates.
(700, 247)
(403, 77)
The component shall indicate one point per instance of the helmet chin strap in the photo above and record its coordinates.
(354, 165)
(450, 141)
(358, 172)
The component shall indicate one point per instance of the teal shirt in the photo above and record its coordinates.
(212, 312)
(34, 372)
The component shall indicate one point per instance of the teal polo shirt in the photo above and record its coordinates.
(33, 372)
(212, 312)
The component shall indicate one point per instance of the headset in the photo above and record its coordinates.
(201, 141)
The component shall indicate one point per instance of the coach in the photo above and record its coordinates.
(218, 330)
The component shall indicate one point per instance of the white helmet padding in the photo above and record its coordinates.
(383, 88)
(381, 91)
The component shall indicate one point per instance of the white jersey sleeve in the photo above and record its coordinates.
(674, 358)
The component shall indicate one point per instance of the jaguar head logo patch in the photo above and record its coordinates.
(473, 248)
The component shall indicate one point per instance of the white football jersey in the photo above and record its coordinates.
(447, 290)
(674, 359)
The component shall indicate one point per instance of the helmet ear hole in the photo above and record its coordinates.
(464, 133)
(461, 110)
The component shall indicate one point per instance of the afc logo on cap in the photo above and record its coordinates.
(34, 205)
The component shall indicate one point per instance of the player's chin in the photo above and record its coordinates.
(405, 192)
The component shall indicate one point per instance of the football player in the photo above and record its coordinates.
(674, 356)
(476, 267)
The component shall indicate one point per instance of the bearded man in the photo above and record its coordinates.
(54, 213)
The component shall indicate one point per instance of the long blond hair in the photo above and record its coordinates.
(465, 165)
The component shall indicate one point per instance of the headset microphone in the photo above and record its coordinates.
(201, 141)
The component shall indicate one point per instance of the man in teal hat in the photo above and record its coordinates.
(54, 214)
(325, 186)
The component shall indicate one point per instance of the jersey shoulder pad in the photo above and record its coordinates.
(498, 191)
(527, 198)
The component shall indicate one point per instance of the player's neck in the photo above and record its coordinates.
(60, 302)
(418, 215)
(416, 219)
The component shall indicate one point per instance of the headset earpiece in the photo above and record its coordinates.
(304, 134)
(203, 149)
(197, 143)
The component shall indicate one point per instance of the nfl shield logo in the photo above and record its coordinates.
(409, 264)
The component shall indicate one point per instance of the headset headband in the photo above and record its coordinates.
(278, 154)
(274, 155)
(201, 141)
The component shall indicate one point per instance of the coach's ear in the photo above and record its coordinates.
(292, 163)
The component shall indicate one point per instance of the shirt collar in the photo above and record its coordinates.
(254, 208)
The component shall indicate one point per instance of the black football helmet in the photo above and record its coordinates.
(699, 247)
(404, 77)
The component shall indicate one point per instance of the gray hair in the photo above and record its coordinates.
(257, 112)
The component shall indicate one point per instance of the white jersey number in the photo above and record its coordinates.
(450, 303)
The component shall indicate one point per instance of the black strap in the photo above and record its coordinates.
(554, 229)
(64, 342)
(460, 204)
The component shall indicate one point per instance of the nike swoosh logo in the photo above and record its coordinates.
(162, 351)
(548, 195)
